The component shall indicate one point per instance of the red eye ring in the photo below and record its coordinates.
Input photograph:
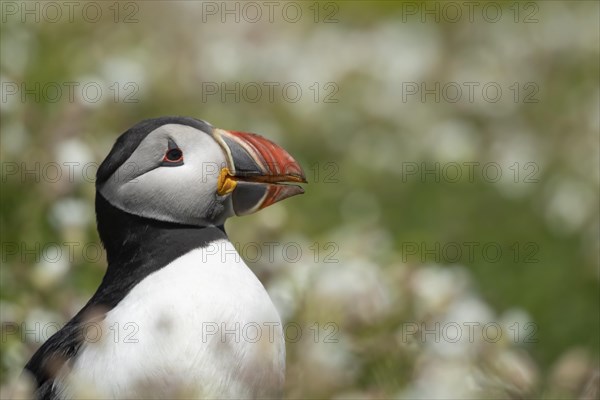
(174, 155)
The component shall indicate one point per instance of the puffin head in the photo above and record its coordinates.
(183, 170)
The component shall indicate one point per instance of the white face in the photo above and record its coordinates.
(150, 185)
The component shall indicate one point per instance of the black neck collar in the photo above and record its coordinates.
(137, 246)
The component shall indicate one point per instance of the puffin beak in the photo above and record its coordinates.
(257, 171)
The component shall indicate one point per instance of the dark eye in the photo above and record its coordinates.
(173, 157)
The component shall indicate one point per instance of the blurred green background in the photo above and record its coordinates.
(365, 96)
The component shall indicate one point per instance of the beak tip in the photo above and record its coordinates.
(300, 178)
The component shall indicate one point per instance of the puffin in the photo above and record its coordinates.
(178, 314)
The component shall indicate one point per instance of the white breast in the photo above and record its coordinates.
(202, 326)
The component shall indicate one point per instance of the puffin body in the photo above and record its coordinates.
(196, 320)
(178, 312)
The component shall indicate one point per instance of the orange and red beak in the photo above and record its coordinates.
(257, 171)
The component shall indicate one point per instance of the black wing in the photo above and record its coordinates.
(60, 349)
